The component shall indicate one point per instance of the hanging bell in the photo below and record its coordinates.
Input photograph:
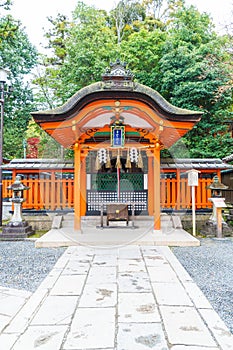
(140, 161)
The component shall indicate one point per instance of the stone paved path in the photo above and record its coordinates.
(131, 298)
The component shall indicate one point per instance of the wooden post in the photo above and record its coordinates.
(219, 223)
(193, 211)
(53, 190)
(77, 186)
(178, 189)
(157, 186)
(84, 184)
(150, 185)
(193, 182)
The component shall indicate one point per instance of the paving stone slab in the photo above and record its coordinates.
(69, 285)
(105, 260)
(4, 320)
(41, 338)
(197, 296)
(92, 328)
(110, 250)
(10, 305)
(183, 347)
(155, 261)
(23, 318)
(177, 266)
(51, 279)
(129, 265)
(221, 332)
(82, 258)
(141, 336)
(171, 294)
(137, 307)
(75, 267)
(78, 253)
(130, 252)
(8, 340)
(134, 282)
(184, 326)
(55, 310)
(100, 295)
(162, 274)
(149, 251)
(15, 292)
(100, 274)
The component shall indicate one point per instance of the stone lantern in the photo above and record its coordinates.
(17, 228)
(216, 220)
(216, 188)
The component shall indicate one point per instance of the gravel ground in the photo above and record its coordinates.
(211, 267)
(23, 266)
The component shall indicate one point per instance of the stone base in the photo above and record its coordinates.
(210, 229)
(16, 233)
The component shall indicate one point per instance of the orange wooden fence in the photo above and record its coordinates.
(59, 193)
(45, 193)
(172, 198)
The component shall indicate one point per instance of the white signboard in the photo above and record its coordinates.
(192, 182)
(219, 202)
(193, 178)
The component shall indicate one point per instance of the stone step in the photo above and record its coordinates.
(167, 221)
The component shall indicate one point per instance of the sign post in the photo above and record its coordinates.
(218, 204)
(193, 181)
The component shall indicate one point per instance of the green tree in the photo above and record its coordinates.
(177, 53)
(47, 75)
(195, 74)
(89, 49)
(125, 17)
(19, 56)
(143, 52)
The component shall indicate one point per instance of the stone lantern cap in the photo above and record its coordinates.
(17, 185)
(217, 185)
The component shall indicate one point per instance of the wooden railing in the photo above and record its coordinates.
(45, 193)
(172, 198)
(59, 194)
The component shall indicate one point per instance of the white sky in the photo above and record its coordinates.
(33, 14)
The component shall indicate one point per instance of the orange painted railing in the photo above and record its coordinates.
(59, 194)
(45, 193)
(172, 198)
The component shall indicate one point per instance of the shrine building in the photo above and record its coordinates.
(117, 129)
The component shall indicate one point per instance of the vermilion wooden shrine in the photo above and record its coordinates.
(94, 118)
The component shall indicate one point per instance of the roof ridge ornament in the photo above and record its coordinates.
(118, 77)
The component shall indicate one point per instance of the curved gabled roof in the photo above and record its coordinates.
(98, 90)
(140, 106)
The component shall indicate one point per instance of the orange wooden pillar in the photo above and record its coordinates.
(157, 225)
(83, 188)
(150, 184)
(77, 187)
(53, 190)
(178, 189)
